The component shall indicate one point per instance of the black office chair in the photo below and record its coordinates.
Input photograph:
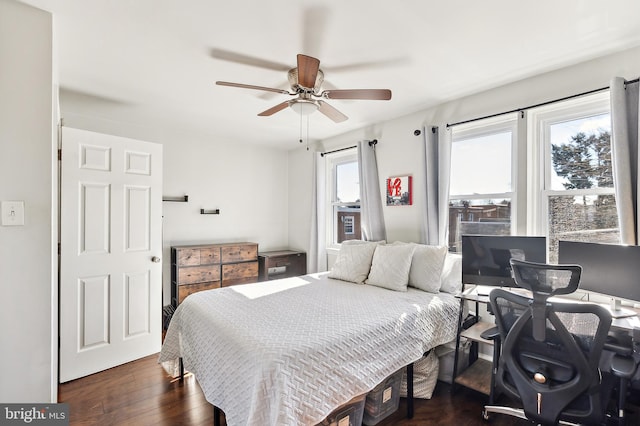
(549, 360)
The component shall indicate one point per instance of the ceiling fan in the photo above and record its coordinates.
(306, 81)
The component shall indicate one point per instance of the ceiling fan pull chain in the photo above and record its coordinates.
(300, 127)
(307, 133)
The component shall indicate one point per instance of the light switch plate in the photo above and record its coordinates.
(12, 213)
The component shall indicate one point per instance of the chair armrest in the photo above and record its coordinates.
(490, 333)
(618, 349)
(623, 367)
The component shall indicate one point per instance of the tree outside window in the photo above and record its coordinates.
(581, 202)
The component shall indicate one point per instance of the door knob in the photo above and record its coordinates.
(155, 259)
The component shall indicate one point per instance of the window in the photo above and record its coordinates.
(343, 220)
(347, 225)
(576, 198)
(482, 179)
(556, 182)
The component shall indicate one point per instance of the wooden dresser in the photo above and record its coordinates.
(281, 264)
(206, 266)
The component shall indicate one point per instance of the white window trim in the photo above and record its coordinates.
(539, 152)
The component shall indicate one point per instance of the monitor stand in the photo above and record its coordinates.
(617, 311)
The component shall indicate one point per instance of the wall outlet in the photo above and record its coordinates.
(12, 213)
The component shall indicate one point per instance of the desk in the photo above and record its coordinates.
(478, 375)
(480, 294)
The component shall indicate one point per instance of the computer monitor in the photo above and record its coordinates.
(609, 269)
(485, 258)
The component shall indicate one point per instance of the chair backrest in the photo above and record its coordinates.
(544, 281)
(550, 350)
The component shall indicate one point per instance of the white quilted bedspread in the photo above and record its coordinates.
(288, 352)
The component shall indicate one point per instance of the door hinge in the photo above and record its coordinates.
(59, 249)
(59, 155)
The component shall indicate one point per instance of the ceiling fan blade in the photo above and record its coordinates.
(307, 71)
(331, 112)
(250, 86)
(274, 109)
(239, 58)
(367, 65)
(270, 95)
(368, 94)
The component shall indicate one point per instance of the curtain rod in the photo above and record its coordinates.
(536, 105)
(371, 143)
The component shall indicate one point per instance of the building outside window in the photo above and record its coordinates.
(347, 225)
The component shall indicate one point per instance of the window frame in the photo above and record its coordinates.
(486, 127)
(540, 120)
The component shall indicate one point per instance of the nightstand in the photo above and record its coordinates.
(281, 264)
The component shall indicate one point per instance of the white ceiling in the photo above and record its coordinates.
(153, 63)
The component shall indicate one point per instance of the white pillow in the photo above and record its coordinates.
(353, 262)
(426, 267)
(452, 273)
(390, 266)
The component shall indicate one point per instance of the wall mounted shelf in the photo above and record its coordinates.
(203, 211)
(182, 199)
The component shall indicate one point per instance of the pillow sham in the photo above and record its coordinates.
(452, 273)
(390, 266)
(353, 262)
(426, 267)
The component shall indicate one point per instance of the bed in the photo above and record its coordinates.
(289, 351)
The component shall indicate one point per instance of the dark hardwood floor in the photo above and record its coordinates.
(141, 393)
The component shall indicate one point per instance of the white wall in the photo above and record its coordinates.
(399, 152)
(247, 183)
(27, 259)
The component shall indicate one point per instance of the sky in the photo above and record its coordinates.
(348, 182)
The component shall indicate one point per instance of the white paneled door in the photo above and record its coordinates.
(110, 266)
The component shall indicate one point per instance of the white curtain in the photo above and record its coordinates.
(624, 144)
(371, 215)
(317, 242)
(437, 164)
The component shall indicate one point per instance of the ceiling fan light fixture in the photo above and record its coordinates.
(304, 106)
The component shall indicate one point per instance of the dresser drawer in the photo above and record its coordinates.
(198, 274)
(185, 290)
(239, 253)
(188, 257)
(198, 256)
(235, 271)
(209, 256)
